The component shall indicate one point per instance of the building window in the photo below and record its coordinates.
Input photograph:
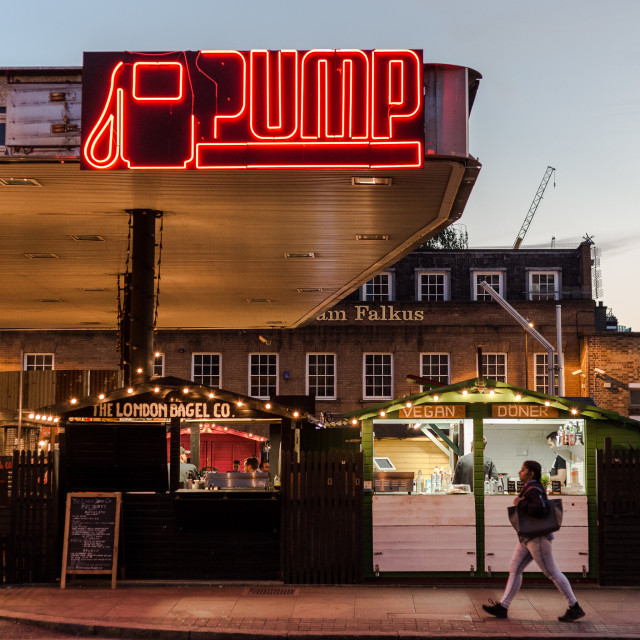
(435, 366)
(634, 400)
(540, 373)
(544, 285)
(378, 289)
(206, 369)
(158, 365)
(378, 376)
(494, 366)
(321, 375)
(495, 280)
(433, 286)
(38, 361)
(263, 375)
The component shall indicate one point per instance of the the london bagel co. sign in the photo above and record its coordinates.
(261, 109)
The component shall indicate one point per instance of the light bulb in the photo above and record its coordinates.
(436, 397)
(130, 390)
(295, 414)
(268, 405)
(101, 396)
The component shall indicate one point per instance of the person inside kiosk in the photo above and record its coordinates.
(559, 469)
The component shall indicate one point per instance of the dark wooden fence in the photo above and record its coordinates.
(618, 479)
(30, 553)
(322, 514)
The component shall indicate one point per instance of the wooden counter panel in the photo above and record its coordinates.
(424, 533)
(570, 546)
(575, 510)
(424, 510)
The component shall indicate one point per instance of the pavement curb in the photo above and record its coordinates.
(143, 632)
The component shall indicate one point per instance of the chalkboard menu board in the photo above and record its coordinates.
(91, 534)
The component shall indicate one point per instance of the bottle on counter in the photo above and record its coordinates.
(438, 479)
(559, 437)
(575, 476)
(420, 482)
(487, 486)
(427, 484)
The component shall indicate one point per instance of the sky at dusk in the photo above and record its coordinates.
(561, 87)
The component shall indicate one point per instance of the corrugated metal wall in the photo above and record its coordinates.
(42, 388)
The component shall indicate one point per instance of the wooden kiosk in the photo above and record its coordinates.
(419, 531)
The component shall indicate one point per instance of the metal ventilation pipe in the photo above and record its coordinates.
(530, 330)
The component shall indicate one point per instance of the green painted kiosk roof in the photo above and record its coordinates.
(488, 391)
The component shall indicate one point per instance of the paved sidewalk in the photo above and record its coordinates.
(232, 611)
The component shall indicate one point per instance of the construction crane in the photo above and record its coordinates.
(533, 207)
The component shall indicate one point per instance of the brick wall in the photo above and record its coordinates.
(618, 355)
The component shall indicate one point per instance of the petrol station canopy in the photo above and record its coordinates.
(284, 180)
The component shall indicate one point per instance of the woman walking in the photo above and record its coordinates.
(532, 500)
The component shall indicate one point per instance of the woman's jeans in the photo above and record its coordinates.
(538, 549)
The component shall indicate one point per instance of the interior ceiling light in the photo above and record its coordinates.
(90, 323)
(41, 256)
(86, 238)
(48, 300)
(275, 322)
(371, 236)
(370, 180)
(19, 182)
(308, 254)
(92, 289)
(258, 300)
(310, 290)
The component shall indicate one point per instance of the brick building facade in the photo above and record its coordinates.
(425, 316)
(610, 371)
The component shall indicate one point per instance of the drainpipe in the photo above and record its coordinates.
(559, 348)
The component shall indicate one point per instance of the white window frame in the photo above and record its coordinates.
(193, 368)
(335, 376)
(540, 370)
(388, 396)
(475, 273)
(366, 297)
(634, 386)
(436, 353)
(537, 295)
(436, 272)
(37, 366)
(277, 375)
(3, 120)
(159, 360)
(506, 365)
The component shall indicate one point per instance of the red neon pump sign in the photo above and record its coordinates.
(260, 109)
